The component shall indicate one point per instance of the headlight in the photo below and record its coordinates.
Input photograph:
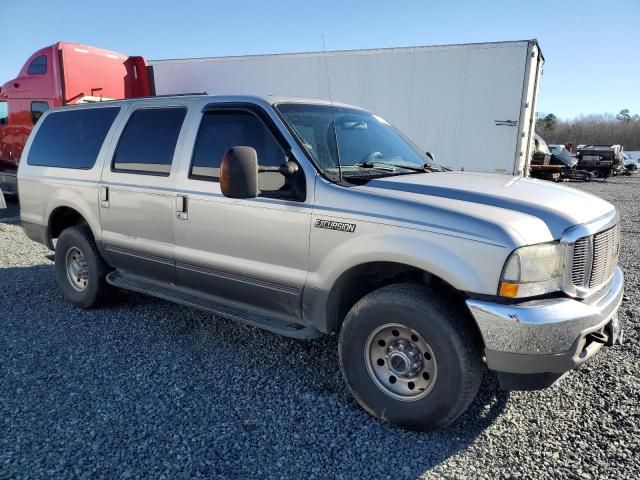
(532, 270)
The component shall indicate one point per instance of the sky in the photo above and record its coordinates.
(591, 47)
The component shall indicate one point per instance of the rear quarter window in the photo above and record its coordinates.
(72, 138)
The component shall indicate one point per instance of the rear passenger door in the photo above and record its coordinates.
(137, 193)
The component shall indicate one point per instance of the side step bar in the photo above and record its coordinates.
(215, 306)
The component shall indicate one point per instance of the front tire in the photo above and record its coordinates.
(80, 270)
(410, 357)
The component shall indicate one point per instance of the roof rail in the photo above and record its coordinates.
(167, 95)
(100, 100)
(175, 95)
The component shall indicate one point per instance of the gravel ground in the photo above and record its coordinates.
(146, 388)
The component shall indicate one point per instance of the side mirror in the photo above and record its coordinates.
(239, 173)
(431, 156)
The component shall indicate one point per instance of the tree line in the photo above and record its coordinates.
(622, 129)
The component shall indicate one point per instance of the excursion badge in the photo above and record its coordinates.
(339, 226)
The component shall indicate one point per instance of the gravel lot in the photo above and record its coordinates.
(146, 388)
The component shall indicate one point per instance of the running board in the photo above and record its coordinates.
(192, 299)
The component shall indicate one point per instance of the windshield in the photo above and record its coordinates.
(364, 144)
(541, 145)
(556, 149)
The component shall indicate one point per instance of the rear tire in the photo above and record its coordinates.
(80, 270)
(405, 324)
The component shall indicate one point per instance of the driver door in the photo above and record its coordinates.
(253, 251)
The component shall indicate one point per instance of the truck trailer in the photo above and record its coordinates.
(472, 105)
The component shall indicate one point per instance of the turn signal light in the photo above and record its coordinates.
(508, 289)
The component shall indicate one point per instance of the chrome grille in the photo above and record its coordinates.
(581, 261)
(606, 246)
(595, 258)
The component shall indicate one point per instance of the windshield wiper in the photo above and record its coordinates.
(414, 168)
(377, 165)
(394, 166)
(433, 168)
(389, 169)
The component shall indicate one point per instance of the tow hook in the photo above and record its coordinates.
(614, 331)
(598, 337)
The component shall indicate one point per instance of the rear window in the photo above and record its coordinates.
(72, 138)
(149, 141)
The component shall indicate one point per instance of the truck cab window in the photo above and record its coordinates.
(222, 130)
(38, 66)
(37, 109)
(4, 113)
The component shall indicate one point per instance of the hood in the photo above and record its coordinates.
(525, 202)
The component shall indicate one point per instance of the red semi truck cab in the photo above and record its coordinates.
(61, 74)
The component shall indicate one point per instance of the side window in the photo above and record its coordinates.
(222, 130)
(72, 138)
(149, 140)
(38, 66)
(4, 113)
(37, 109)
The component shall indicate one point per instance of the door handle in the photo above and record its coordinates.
(182, 207)
(104, 197)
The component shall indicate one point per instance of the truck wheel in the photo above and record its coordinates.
(80, 270)
(409, 357)
(595, 173)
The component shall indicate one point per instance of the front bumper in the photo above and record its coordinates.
(549, 336)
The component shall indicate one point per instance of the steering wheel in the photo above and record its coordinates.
(372, 157)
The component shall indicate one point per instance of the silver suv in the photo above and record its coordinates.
(306, 218)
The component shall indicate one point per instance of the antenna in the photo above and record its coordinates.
(333, 114)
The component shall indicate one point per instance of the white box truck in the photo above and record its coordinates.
(472, 105)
